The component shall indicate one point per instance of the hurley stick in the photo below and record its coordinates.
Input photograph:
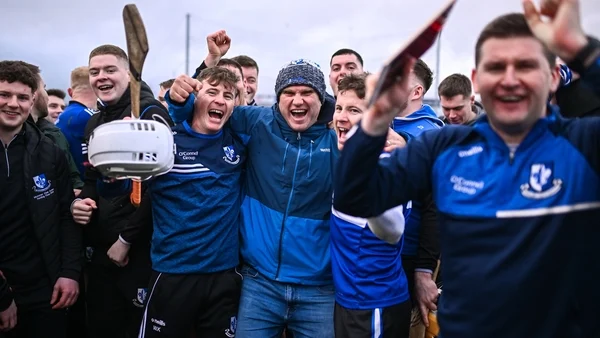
(137, 49)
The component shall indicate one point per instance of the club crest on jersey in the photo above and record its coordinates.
(141, 297)
(230, 332)
(230, 156)
(542, 183)
(41, 183)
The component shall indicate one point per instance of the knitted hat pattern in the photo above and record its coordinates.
(301, 72)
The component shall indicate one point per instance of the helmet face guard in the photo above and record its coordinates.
(137, 149)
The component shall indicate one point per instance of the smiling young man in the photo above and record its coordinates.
(56, 103)
(518, 194)
(196, 218)
(343, 62)
(115, 294)
(40, 245)
(371, 289)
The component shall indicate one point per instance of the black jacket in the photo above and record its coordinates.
(113, 214)
(58, 236)
(52, 132)
(5, 295)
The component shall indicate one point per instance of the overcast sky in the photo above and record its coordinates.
(58, 35)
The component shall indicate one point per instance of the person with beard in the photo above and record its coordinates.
(40, 246)
(38, 115)
(115, 294)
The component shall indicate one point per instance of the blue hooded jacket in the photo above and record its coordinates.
(285, 232)
(412, 126)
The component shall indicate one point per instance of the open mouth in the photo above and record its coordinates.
(341, 133)
(216, 114)
(105, 88)
(299, 113)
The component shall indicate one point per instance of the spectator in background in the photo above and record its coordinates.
(56, 103)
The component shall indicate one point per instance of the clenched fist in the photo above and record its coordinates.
(218, 44)
(183, 87)
(82, 210)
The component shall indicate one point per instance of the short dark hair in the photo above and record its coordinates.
(354, 82)
(455, 84)
(17, 71)
(230, 62)
(57, 92)
(513, 25)
(347, 51)
(167, 84)
(218, 75)
(246, 61)
(423, 73)
(32, 68)
(109, 50)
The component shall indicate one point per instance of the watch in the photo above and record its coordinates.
(586, 56)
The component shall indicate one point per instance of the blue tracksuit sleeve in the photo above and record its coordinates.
(366, 186)
(180, 112)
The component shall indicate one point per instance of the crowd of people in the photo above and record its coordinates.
(320, 216)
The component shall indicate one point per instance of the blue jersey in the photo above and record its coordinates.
(196, 205)
(412, 126)
(519, 229)
(72, 122)
(367, 272)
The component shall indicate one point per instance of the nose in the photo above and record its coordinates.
(220, 100)
(297, 101)
(509, 78)
(13, 102)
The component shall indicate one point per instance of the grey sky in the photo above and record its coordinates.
(58, 35)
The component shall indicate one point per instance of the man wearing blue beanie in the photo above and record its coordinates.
(285, 231)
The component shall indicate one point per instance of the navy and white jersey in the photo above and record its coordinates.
(519, 230)
(367, 272)
(196, 205)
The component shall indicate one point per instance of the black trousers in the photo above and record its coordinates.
(35, 317)
(203, 304)
(116, 296)
(388, 322)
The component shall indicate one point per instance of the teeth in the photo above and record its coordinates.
(510, 98)
(342, 129)
(105, 87)
(216, 111)
(298, 111)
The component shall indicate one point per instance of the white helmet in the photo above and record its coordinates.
(133, 148)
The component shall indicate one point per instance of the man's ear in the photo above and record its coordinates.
(70, 92)
(474, 81)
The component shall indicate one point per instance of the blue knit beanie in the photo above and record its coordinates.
(301, 72)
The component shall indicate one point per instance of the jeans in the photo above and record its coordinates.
(267, 306)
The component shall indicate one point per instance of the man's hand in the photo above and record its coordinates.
(394, 140)
(8, 318)
(118, 253)
(376, 120)
(82, 210)
(426, 292)
(182, 87)
(562, 33)
(218, 44)
(65, 293)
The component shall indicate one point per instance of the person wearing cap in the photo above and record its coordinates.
(285, 213)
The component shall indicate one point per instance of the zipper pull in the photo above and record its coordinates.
(298, 136)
